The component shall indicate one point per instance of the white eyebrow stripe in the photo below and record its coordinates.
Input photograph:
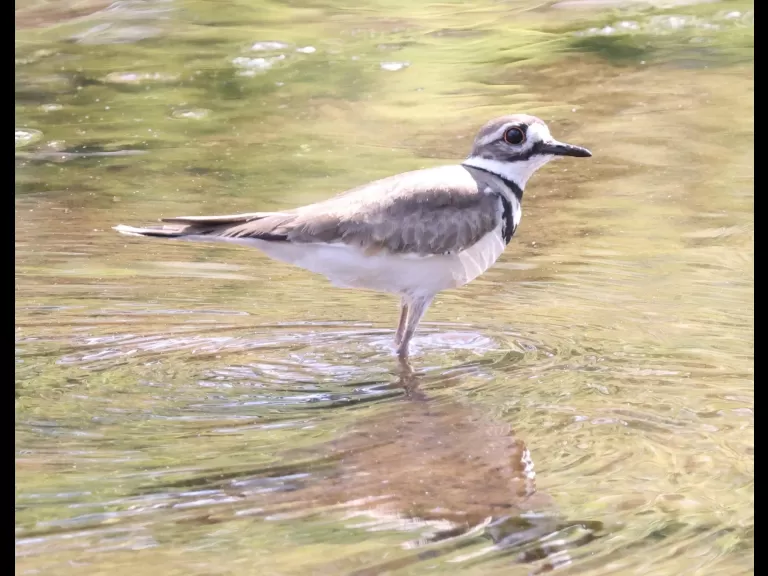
(494, 136)
(538, 133)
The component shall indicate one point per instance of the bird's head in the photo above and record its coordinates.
(515, 146)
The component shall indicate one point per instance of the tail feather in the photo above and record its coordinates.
(256, 225)
(156, 231)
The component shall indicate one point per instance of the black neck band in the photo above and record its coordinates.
(516, 190)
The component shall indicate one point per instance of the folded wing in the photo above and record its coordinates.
(426, 212)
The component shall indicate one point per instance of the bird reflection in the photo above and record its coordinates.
(428, 462)
(448, 468)
(435, 458)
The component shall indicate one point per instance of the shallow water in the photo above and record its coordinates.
(585, 405)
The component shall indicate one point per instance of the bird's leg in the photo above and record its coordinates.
(409, 381)
(416, 309)
(403, 319)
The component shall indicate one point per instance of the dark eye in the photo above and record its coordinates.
(514, 136)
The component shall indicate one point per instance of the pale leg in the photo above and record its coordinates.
(416, 309)
(403, 319)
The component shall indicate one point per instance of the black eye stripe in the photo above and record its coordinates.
(535, 150)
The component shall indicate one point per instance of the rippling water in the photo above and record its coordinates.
(586, 405)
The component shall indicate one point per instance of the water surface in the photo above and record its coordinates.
(586, 405)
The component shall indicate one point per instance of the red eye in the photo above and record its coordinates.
(514, 136)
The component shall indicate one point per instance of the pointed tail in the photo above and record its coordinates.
(258, 225)
(154, 231)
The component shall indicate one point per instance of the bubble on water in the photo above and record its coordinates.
(27, 136)
(191, 113)
(394, 66)
(663, 24)
(269, 45)
(629, 25)
(138, 77)
(242, 61)
(55, 146)
(307, 50)
(51, 107)
(250, 66)
(676, 22)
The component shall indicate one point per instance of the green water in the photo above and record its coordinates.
(193, 409)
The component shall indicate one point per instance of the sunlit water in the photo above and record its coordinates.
(586, 405)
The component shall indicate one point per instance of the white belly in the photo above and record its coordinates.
(349, 267)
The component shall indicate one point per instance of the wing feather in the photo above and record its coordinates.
(434, 211)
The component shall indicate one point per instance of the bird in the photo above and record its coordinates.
(412, 235)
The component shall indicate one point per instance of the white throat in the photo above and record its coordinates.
(518, 172)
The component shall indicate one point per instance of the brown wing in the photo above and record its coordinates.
(433, 211)
(425, 222)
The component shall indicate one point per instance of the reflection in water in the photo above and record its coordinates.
(448, 468)
(465, 483)
(459, 482)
